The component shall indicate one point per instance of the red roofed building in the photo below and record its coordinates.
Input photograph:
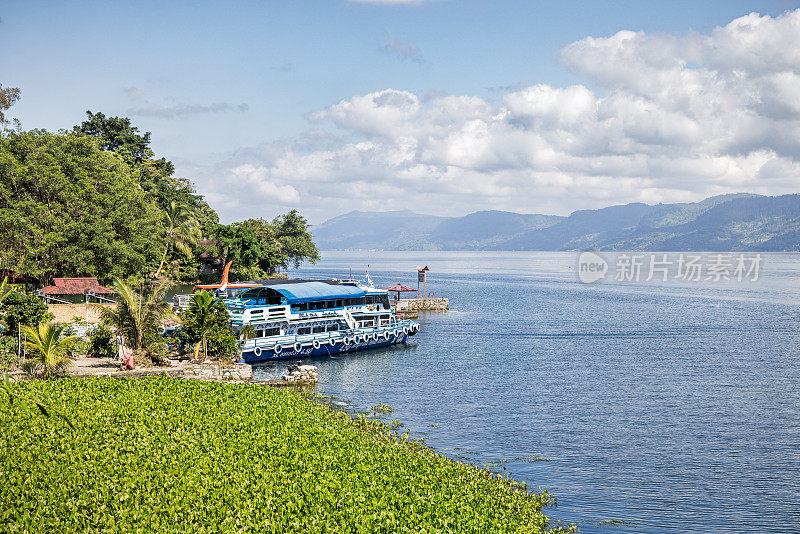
(67, 289)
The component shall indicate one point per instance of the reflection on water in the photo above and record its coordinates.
(644, 407)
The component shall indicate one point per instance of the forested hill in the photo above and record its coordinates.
(722, 223)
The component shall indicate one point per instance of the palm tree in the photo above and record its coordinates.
(183, 231)
(201, 311)
(136, 316)
(48, 347)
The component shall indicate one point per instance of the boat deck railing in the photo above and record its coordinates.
(308, 339)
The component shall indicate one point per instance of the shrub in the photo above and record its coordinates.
(102, 342)
(9, 352)
(28, 310)
(78, 347)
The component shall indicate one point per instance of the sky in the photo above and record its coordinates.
(439, 106)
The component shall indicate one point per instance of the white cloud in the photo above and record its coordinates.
(673, 118)
(258, 181)
(373, 114)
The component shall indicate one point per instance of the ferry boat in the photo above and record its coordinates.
(303, 318)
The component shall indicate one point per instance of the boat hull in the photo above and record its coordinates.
(325, 349)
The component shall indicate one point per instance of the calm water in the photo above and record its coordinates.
(671, 407)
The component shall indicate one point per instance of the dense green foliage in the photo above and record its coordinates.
(155, 175)
(102, 342)
(67, 208)
(9, 352)
(167, 455)
(20, 309)
(98, 202)
(259, 247)
(206, 327)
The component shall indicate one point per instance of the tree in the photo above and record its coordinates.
(259, 247)
(296, 243)
(118, 135)
(48, 348)
(183, 232)
(206, 326)
(24, 310)
(8, 96)
(200, 312)
(137, 317)
(250, 250)
(69, 209)
(154, 175)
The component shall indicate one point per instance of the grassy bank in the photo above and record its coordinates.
(173, 455)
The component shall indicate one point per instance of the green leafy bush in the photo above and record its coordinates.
(102, 342)
(24, 309)
(78, 347)
(171, 455)
(9, 352)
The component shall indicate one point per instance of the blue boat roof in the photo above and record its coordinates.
(311, 291)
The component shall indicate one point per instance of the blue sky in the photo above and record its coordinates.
(241, 96)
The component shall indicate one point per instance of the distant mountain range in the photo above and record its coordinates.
(740, 222)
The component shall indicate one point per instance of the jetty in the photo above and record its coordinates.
(420, 304)
(423, 301)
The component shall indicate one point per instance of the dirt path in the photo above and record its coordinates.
(85, 366)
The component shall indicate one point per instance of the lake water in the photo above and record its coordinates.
(661, 406)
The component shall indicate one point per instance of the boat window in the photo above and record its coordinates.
(333, 327)
(318, 329)
(303, 331)
(339, 303)
(385, 301)
(271, 332)
(261, 295)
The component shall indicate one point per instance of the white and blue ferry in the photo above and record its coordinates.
(302, 318)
